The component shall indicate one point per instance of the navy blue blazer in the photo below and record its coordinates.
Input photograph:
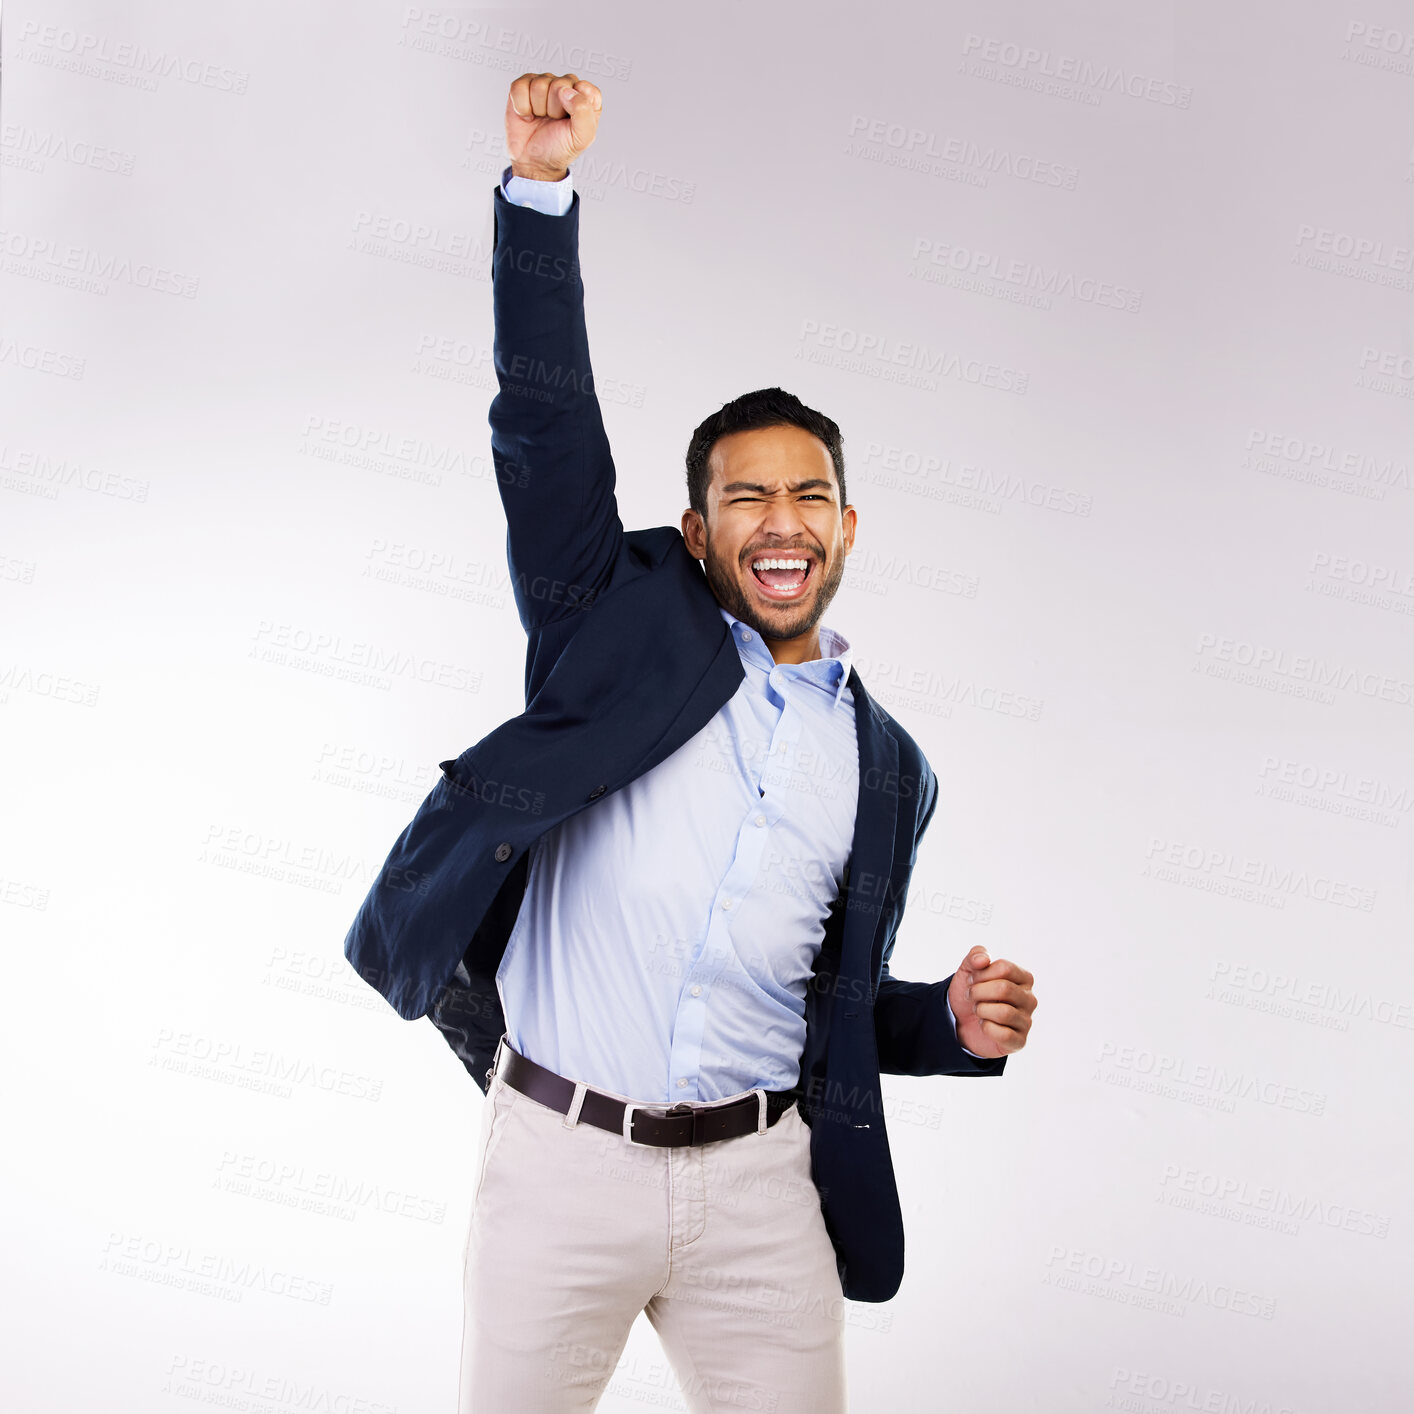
(627, 658)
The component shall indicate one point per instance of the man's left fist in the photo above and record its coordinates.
(992, 1002)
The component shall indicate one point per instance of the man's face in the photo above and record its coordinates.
(773, 496)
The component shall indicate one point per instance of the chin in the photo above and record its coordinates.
(780, 619)
(772, 618)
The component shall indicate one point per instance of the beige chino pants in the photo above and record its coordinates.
(574, 1231)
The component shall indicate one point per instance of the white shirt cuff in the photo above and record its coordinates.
(953, 1019)
(551, 198)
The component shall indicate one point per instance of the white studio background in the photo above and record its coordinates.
(1113, 304)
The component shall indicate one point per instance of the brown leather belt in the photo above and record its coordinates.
(655, 1125)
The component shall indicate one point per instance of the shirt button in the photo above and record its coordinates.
(726, 903)
(746, 635)
(682, 1081)
(760, 819)
(697, 991)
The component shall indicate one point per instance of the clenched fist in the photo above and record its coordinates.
(550, 120)
(992, 1002)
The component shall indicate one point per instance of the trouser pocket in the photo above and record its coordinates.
(495, 1108)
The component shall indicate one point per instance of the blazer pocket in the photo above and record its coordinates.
(459, 778)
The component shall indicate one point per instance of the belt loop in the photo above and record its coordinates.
(572, 1114)
(760, 1110)
(495, 1059)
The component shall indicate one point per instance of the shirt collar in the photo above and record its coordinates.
(830, 670)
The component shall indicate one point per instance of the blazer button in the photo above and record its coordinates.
(503, 852)
(597, 792)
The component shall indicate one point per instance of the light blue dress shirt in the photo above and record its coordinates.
(669, 931)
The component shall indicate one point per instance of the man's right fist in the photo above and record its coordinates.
(550, 120)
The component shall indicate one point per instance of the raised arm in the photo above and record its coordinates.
(554, 470)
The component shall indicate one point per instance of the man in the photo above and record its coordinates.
(653, 913)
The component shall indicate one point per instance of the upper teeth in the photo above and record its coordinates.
(778, 564)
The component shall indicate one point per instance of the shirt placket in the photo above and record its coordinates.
(716, 949)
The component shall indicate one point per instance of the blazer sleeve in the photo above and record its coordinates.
(912, 1029)
(554, 471)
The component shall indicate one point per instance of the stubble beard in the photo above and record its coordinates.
(796, 620)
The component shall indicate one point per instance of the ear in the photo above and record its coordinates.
(694, 532)
(848, 522)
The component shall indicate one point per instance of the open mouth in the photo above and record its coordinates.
(782, 577)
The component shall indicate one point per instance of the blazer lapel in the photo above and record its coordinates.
(875, 826)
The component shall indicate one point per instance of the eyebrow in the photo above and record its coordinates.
(794, 486)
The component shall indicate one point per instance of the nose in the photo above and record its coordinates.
(783, 520)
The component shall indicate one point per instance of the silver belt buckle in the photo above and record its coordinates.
(629, 1108)
(681, 1107)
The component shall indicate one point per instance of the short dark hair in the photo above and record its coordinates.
(766, 407)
